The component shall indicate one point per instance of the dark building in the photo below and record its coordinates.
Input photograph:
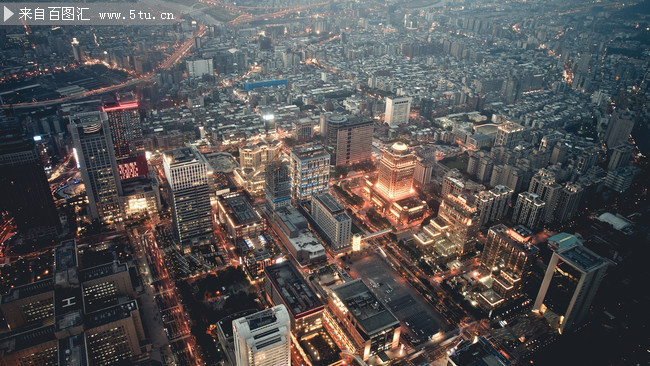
(24, 191)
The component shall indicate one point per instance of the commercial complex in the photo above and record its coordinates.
(263, 338)
(396, 168)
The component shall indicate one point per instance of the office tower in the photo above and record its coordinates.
(508, 134)
(332, 220)
(397, 110)
(370, 327)
(508, 250)
(198, 68)
(187, 174)
(303, 129)
(569, 202)
(396, 168)
(76, 50)
(349, 139)
(620, 156)
(24, 191)
(96, 157)
(493, 204)
(619, 127)
(125, 125)
(543, 184)
(310, 172)
(571, 281)
(263, 338)
(423, 171)
(278, 186)
(460, 214)
(529, 210)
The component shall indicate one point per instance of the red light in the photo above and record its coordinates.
(124, 106)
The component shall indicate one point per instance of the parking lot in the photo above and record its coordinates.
(400, 297)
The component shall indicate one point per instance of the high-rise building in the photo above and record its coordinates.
(95, 155)
(349, 139)
(493, 204)
(263, 338)
(423, 171)
(125, 126)
(198, 68)
(619, 128)
(257, 155)
(278, 186)
(332, 220)
(396, 168)
(398, 110)
(571, 281)
(543, 184)
(310, 172)
(460, 216)
(187, 174)
(620, 156)
(508, 134)
(509, 250)
(569, 202)
(529, 210)
(621, 179)
(24, 191)
(303, 129)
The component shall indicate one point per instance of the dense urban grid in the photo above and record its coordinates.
(305, 182)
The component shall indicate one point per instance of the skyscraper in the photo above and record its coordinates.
(310, 172)
(543, 184)
(263, 338)
(529, 210)
(96, 157)
(349, 139)
(508, 250)
(460, 214)
(620, 156)
(397, 110)
(571, 281)
(24, 191)
(619, 128)
(278, 186)
(187, 173)
(396, 168)
(568, 204)
(508, 134)
(125, 125)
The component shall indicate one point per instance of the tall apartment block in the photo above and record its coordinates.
(493, 204)
(310, 172)
(398, 110)
(508, 134)
(278, 186)
(263, 338)
(572, 278)
(330, 216)
(95, 154)
(187, 174)
(529, 210)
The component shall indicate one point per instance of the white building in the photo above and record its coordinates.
(198, 68)
(332, 220)
(263, 338)
(397, 110)
(310, 172)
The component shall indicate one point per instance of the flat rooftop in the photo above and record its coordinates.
(296, 294)
(103, 270)
(310, 152)
(72, 351)
(371, 315)
(184, 155)
(481, 353)
(29, 290)
(582, 258)
(261, 319)
(20, 341)
(239, 209)
(330, 203)
(111, 314)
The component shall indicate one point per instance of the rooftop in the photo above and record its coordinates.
(183, 155)
(239, 209)
(296, 294)
(371, 315)
(102, 271)
(72, 351)
(111, 314)
(582, 258)
(330, 203)
(481, 353)
(32, 289)
(20, 341)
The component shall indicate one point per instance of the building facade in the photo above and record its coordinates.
(396, 170)
(310, 172)
(398, 110)
(330, 216)
(263, 338)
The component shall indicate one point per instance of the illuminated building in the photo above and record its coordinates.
(239, 217)
(509, 252)
(28, 304)
(187, 173)
(331, 219)
(256, 156)
(493, 204)
(91, 136)
(263, 338)
(309, 171)
(363, 319)
(24, 191)
(285, 286)
(571, 281)
(36, 347)
(349, 139)
(303, 129)
(621, 179)
(125, 126)
(396, 168)
(397, 110)
(480, 352)
(140, 197)
(508, 134)
(407, 209)
(458, 216)
(529, 210)
(356, 242)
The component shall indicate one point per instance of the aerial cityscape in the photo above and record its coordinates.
(324, 183)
